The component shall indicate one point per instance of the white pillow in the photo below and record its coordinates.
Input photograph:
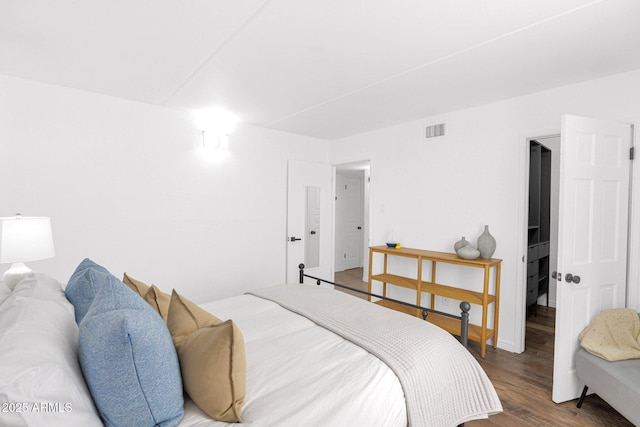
(40, 378)
(4, 292)
(34, 285)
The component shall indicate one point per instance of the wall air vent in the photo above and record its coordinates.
(435, 130)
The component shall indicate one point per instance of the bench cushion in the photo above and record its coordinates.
(618, 383)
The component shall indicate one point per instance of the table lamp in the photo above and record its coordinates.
(23, 239)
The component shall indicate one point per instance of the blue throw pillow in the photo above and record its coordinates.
(83, 285)
(128, 360)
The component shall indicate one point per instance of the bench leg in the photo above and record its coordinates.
(582, 396)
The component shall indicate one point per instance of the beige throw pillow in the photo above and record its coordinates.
(213, 365)
(185, 317)
(212, 359)
(159, 301)
(136, 286)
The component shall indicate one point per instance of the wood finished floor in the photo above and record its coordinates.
(523, 381)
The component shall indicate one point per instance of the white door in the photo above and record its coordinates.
(354, 220)
(309, 225)
(592, 235)
(349, 221)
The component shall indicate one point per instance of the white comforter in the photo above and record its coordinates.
(319, 380)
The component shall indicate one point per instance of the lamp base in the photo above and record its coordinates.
(15, 274)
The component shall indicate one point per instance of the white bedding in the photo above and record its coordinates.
(309, 384)
(443, 384)
(298, 373)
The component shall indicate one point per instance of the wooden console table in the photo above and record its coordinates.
(480, 333)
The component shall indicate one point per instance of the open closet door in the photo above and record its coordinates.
(592, 235)
(309, 216)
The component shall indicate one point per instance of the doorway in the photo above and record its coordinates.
(542, 225)
(352, 216)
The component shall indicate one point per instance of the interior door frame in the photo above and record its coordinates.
(523, 218)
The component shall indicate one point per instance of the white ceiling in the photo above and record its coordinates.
(323, 68)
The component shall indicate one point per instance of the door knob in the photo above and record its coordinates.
(294, 239)
(359, 228)
(313, 232)
(554, 274)
(571, 278)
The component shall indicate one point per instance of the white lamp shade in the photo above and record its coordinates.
(24, 239)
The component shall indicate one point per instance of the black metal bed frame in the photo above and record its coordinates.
(464, 305)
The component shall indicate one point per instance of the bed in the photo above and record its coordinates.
(293, 355)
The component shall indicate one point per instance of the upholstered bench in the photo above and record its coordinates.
(618, 383)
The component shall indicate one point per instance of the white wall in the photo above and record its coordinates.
(433, 191)
(125, 184)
